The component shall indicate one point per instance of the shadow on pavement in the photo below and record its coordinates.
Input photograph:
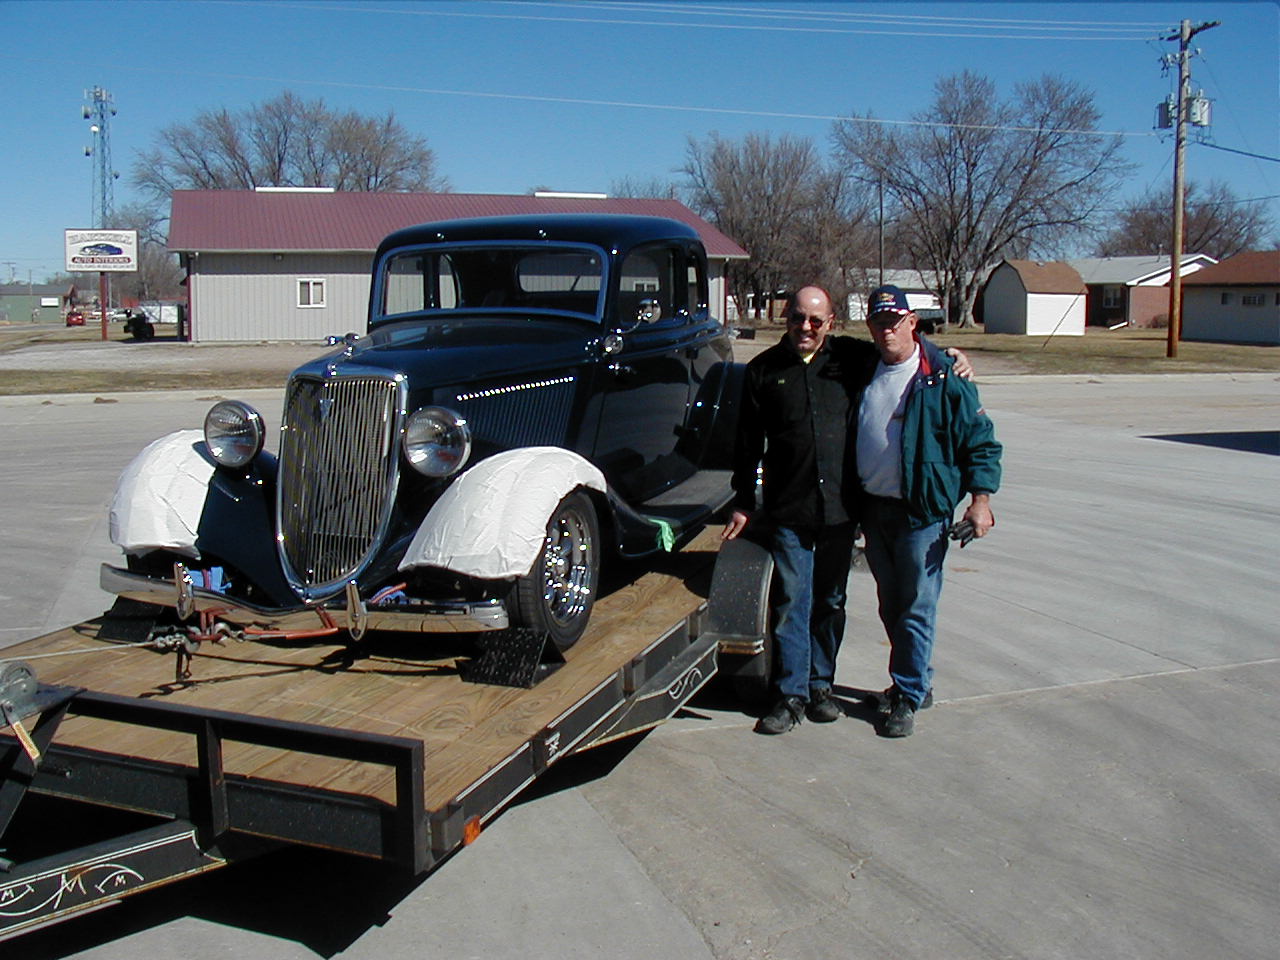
(1248, 441)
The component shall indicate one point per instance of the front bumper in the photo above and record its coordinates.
(344, 610)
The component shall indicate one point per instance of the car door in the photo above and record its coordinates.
(644, 386)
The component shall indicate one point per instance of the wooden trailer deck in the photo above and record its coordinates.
(404, 688)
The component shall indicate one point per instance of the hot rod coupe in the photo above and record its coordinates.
(531, 394)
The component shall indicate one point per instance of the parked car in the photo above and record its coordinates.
(930, 319)
(530, 395)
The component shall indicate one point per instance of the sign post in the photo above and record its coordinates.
(106, 251)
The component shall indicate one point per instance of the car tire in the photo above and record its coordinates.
(557, 595)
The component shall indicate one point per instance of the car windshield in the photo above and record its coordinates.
(493, 278)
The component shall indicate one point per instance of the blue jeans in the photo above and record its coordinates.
(907, 565)
(811, 573)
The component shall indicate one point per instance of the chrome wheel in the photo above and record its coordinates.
(560, 590)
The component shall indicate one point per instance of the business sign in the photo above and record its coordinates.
(102, 250)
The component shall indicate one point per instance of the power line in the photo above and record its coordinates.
(837, 16)
(629, 104)
(1243, 153)
(436, 12)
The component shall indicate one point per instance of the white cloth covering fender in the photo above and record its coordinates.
(492, 520)
(160, 496)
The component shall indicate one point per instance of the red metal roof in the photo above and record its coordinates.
(1256, 267)
(248, 220)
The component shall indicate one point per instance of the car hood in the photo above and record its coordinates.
(433, 353)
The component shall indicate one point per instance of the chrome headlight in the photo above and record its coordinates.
(436, 441)
(234, 433)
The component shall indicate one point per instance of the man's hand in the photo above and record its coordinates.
(979, 514)
(737, 523)
(963, 368)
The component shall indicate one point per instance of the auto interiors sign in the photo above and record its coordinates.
(102, 250)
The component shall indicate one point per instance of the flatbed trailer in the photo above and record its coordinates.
(378, 749)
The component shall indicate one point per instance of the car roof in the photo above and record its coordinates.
(618, 232)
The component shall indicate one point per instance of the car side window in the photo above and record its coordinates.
(696, 296)
(419, 282)
(646, 290)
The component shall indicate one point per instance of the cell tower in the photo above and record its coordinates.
(98, 110)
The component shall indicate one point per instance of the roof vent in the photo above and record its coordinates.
(293, 189)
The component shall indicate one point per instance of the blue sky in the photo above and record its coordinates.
(575, 95)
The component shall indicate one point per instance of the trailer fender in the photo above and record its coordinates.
(738, 616)
(160, 496)
(492, 521)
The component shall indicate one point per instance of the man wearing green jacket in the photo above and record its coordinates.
(923, 442)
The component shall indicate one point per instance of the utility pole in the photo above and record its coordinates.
(1183, 36)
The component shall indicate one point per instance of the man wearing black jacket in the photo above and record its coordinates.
(794, 422)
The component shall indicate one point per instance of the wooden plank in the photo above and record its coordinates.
(401, 684)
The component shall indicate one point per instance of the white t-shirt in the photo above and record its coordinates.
(880, 426)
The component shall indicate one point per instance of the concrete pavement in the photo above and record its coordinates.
(1099, 779)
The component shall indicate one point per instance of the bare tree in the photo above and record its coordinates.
(644, 188)
(976, 179)
(776, 199)
(287, 142)
(1215, 222)
(158, 275)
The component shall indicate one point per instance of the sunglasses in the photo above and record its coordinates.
(798, 319)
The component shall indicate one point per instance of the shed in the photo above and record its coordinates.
(293, 264)
(1235, 301)
(1034, 298)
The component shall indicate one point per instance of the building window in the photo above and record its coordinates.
(311, 293)
(1253, 299)
(1226, 298)
(1111, 297)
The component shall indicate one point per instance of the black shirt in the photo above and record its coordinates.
(795, 418)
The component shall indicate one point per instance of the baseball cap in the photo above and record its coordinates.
(887, 299)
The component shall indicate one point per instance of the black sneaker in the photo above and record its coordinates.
(886, 700)
(822, 706)
(901, 721)
(785, 714)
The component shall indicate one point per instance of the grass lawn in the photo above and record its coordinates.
(226, 367)
(1099, 351)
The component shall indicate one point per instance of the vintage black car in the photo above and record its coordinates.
(531, 394)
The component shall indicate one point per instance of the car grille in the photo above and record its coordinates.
(337, 476)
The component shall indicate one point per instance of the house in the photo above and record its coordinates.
(35, 302)
(1034, 298)
(1132, 290)
(293, 263)
(1235, 301)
